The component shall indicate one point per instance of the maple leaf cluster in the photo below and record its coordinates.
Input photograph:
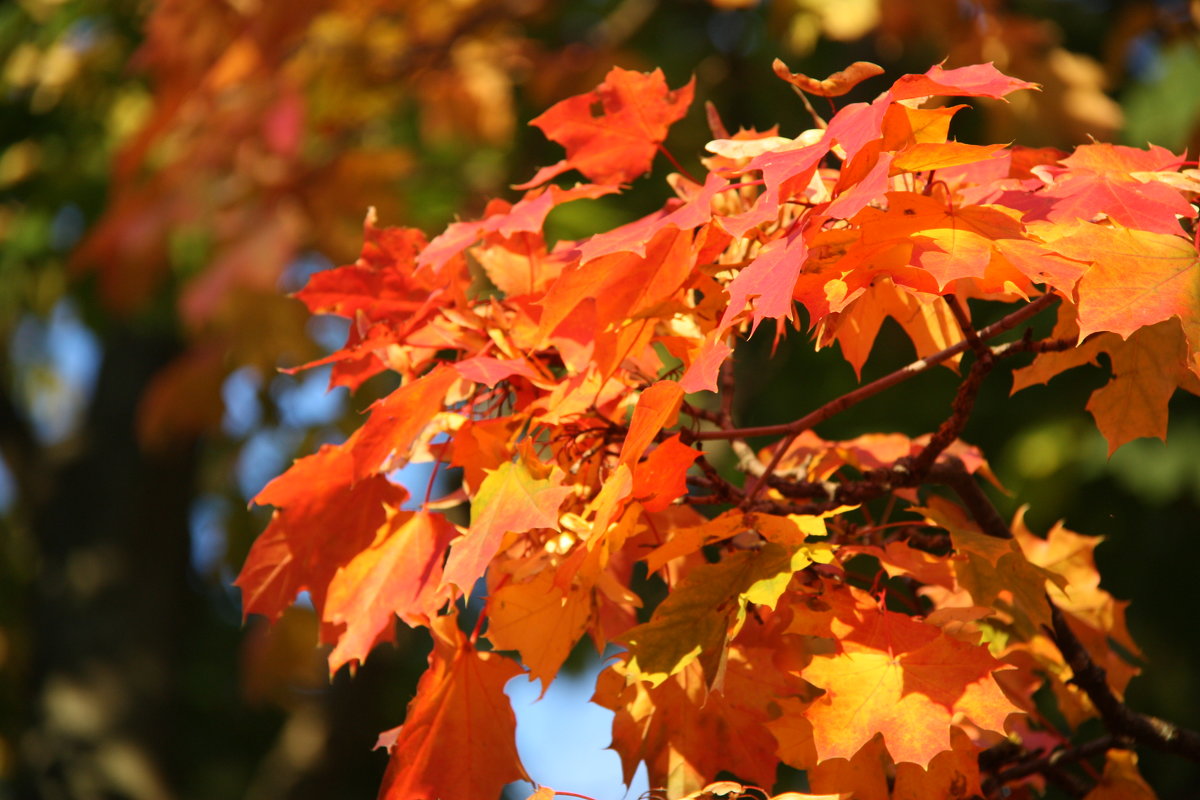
(584, 390)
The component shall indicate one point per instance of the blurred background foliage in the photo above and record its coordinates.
(169, 170)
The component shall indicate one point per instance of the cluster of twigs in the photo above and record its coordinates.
(1007, 762)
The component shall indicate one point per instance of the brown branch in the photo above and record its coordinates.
(1120, 719)
(964, 324)
(1027, 345)
(769, 469)
(701, 413)
(714, 480)
(727, 384)
(850, 399)
(952, 427)
(706, 500)
(951, 472)
(1032, 764)
(908, 471)
(827, 495)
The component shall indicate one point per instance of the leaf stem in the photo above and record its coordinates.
(682, 170)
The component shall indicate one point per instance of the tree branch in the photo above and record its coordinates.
(964, 324)
(850, 399)
(1040, 764)
(1120, 720)
(951, 472)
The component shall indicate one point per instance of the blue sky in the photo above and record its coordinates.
(562, 737)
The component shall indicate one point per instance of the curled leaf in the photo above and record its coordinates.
(836, 85)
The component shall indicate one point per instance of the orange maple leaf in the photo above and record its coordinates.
(657, 408)
(892, 670)
(323, 520)
(382, 443)
(509, 500)
(1148, 367)
(612, 132)
(1136, 278)
(662, 477)
(539, 621)
(1098, 180)
(399, 575)
(1121, 779)
(977, 80)
(686, 733)
(459, 735)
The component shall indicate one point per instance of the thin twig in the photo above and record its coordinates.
(964, 324)
(952, 427)
(851, 399)
(722, 487)
(725, 379)
(1062, 755)
(817, 119)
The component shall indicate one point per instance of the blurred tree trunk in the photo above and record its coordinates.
(108, 595)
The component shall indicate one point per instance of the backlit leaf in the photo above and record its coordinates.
(509, 500)
(460, 708)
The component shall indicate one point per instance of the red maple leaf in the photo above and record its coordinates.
(612, 132)
(977, 80)
(662, 477)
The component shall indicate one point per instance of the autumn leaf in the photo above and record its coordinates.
(379, 285)
(977, 80)
(685, 541)
(657, 408)
(994, 571)
(1148, 367)
(662, 477)
(612, 132)
(1097, 181)
(903, 125)
(399, 575)
(395, 422)
(509, 500)
(539, 621)
(323, 520)
(619, 286)
(865, 775)
(835, 85)
(481, 446)
(924, 317)
(892, 669)
(684, 731)
(923, 156)
(636, 236)
(526, 216)
(1137, 278)
(459, 734)
(1121, 779)
(489, 371)
(702, 613)
(769, 279)
(1072, 557)
(952, 775)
